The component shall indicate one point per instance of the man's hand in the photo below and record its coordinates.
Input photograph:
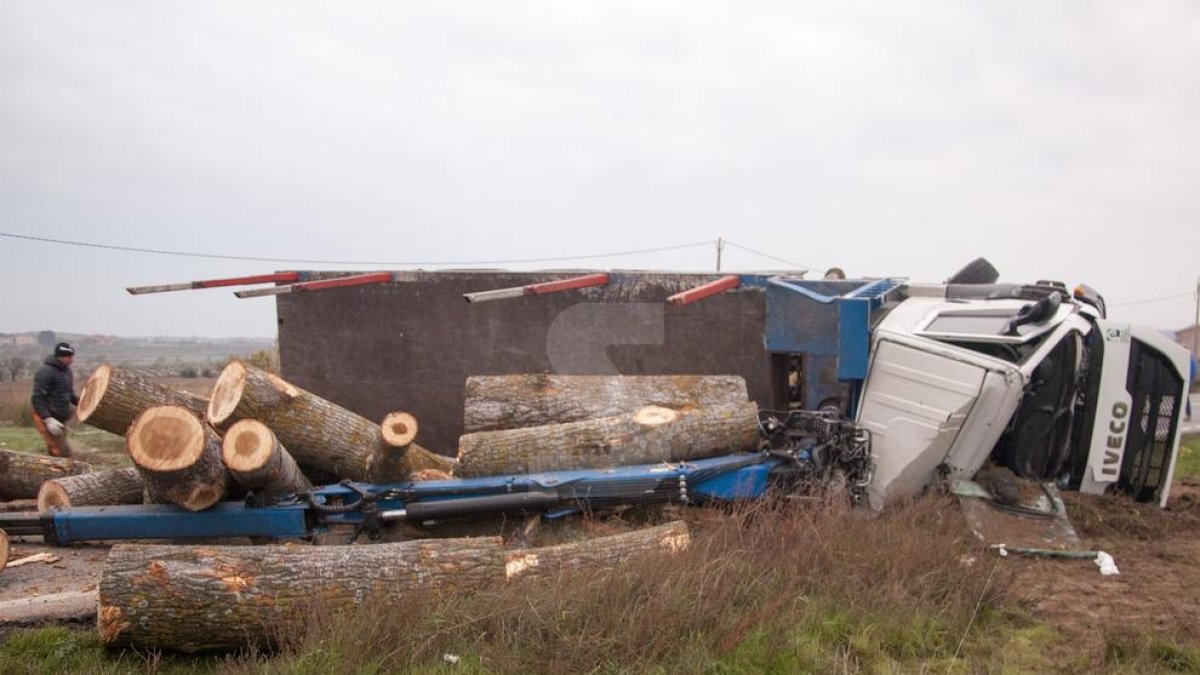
(54, 426)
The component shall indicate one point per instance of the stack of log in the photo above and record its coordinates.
(539, 422)
(257, 432)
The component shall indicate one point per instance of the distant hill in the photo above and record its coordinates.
(168, 355)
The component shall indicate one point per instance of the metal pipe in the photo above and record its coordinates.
(287, 277)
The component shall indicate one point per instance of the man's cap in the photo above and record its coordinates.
(63, 349)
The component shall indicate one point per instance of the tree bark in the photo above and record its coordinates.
(22, 474)
(197, 598)
(317, 433)
(397, 457)
(595, 555)
(103, 488)
(17, 505)
(515, 401)
(257, 460)
(178, 456)
(647, 436)
(113, 397)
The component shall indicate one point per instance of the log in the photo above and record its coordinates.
(317, 433)
(18, 505)
(53, 607)
(388, 462)
(648, 436)
(257, 460)
(22, 474)
(113, 397)
(530, 400)
(178, 456)
(198, 598)
(3, 549)
(595, 555)
(195, 598)
(102, 488)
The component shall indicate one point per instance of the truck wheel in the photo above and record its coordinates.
(978, 271)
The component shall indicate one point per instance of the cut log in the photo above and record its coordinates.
(390, 459)
(41, 609)
(179, 457)
(647, 436)
(113, 397)
(595, 555)
(317, 433)
(195, 598)
(3, 549)
(102, 488)
(22, 474)
(257, 460)
(17, 505)
(530, 400)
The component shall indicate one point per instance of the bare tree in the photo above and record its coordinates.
(16, 367)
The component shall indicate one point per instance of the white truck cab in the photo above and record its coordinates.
(1040, 382)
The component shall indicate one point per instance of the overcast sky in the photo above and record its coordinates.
(1060, 140)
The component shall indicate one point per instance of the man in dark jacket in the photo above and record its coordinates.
(53, 396)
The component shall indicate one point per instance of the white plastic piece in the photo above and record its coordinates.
(1108, 566)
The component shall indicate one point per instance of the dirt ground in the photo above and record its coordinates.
(1158, 589)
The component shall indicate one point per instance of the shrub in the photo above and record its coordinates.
(23, 416)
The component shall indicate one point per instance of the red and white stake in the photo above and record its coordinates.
(287, 277)
(543, 288)
(320, 285)
(706, 290)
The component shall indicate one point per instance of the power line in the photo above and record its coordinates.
(767, 255)
(1150, 300)
(305, 261)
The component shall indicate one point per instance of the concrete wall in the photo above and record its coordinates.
(410, 345)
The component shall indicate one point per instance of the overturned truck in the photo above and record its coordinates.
(936, 378)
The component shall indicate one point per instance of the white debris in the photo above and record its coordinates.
(1108, 566)
(452, 659)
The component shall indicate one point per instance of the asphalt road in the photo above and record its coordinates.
(1192, 426)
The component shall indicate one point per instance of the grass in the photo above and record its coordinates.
(1148, 654)
(58, 650)
(781, 588)
(1188, 465)
(785, 588)
(99, 448)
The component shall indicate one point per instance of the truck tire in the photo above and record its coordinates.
(978, 271)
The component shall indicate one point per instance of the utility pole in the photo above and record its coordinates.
(721, 247)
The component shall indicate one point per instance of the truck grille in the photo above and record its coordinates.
(1155, 388)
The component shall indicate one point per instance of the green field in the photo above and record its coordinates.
(98, 448)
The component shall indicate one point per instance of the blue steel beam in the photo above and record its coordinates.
(727, 478)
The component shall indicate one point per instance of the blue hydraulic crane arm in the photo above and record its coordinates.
(368, 506)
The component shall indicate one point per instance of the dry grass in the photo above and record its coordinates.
(14, 402)
(784, 587)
